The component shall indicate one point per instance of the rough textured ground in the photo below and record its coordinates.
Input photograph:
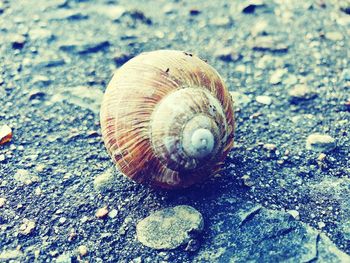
(56, 58)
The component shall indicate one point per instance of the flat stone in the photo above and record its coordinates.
(320, 142)
(328, 252)
(169, 228)
(246, 232)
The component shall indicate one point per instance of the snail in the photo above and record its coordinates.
(167, 119)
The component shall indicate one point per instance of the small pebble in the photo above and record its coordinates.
(321, 157)
(10, 255)
(221, 21)
(334, 36)
(113, 12)
(64, 258)
(18, 41)
(194, 12)
(227, 54)
(27, 227)
(38, 191)
(268, 43)
(25, 177)
(36, 95)
(41, 80)
(5, 134)
(276, 76)
(247, 181)
(62, 220)
(40, 33)
(84, 47)
(266, 100)
(249, 7)
(82, 250)
(120, 57)
(113, 213)
(2, 201)
(104, 181)
(345, 7)
(346, 74)
(301, 92)
(270, 146)
(290, 80)
(321, 224)
(347, 104)
(240, 99)
(320, 142)
(102, 212)
(294, 213)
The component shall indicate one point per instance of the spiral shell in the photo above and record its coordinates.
(167, 119)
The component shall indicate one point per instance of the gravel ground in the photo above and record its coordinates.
(287, 65)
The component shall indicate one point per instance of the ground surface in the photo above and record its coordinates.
(56, 58)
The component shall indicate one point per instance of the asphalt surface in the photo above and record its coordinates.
(56, 58)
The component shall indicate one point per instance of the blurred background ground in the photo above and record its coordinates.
(287, 65)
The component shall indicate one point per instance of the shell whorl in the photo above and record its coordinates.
(178, 124)
(167, 119)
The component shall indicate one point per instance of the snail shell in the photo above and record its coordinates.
(167, 119)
